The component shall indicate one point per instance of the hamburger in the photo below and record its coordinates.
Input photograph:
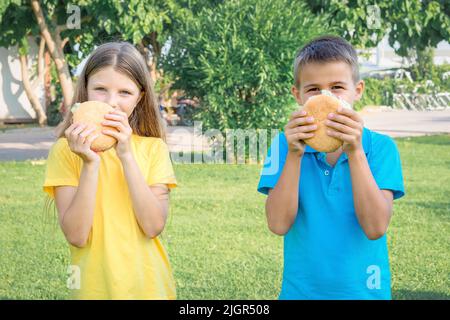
(93, 113)
(319, 107)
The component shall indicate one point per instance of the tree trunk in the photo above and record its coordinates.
(35, 103)
(54, 44)
(41, 61)
(47, 79)
(156, 46)
(425, 64)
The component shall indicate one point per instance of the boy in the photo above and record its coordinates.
(333, 209)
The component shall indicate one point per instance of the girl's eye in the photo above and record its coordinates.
(100, 89)
(125, 92)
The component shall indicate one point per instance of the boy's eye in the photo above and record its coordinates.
(313, 89)
(337, 87)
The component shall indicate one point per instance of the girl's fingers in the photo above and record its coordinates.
(77, 130)
(86, 132)
(71, 128)
(114, 124)
(91, 139)
(113, 116)
(112, 133)
(117, 115)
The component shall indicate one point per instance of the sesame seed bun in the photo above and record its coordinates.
(92, 113)
(319, 107)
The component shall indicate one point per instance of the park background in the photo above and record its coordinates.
(234, 59)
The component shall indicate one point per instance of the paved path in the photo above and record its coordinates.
(408, 123)
(34, 143)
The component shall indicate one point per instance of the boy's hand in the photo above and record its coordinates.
(347, 126)
(297, 129)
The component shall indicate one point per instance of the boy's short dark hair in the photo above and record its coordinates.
(326, 49)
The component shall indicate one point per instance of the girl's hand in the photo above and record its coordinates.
(347, 126)
(119, 120)
(299, 128)
(80, 140)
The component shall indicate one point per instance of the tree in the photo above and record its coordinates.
(237, 58)
(16, 33)
(361, 22)
(71, 29)
(45, 20)
(414, 27)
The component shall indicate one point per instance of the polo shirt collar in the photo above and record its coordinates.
(366, 142)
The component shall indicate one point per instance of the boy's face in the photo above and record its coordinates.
(335, 77)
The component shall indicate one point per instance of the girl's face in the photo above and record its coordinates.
(114, 88)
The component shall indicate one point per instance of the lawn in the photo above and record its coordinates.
(217, 238)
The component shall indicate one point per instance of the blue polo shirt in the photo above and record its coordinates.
(326, 252)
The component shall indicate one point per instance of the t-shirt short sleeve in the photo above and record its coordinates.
(386, 166)
(62, 167)
(161, 170)
(273, 164)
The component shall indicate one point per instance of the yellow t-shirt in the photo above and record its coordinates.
(119, 261)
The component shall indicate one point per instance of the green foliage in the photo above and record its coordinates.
(360, 22)
(418, 25)
(53, 112)
(237, 58)
(414, 26)
(380, 91)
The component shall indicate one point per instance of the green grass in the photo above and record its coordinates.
(217, 238)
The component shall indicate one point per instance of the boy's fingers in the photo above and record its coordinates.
(341, 136)
(350, 113)
(303, 135)
(298, 113)
(309, 128)
(300, 121)
(342, 128)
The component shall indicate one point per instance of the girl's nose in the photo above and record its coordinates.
(112, 101)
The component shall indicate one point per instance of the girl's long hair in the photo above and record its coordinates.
(145, 119)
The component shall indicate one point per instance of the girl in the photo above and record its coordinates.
(112, 205)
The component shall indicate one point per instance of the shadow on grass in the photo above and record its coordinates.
(438, 140)
(418, 295)
(440, 208)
